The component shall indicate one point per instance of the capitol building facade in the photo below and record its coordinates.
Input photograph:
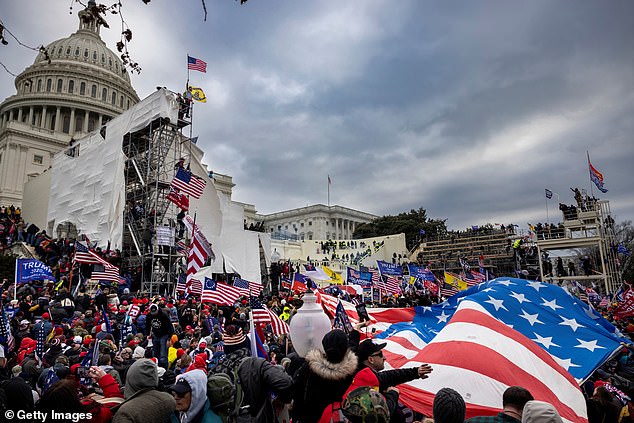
(75, 86)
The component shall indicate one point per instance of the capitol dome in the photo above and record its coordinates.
(74, 86)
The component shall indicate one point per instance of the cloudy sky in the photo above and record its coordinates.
(468, 109)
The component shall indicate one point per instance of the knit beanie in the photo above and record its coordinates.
(234, 339)
(449, 407)
(139, 352)
(335, 345)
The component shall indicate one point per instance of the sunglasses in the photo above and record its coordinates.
(378, 354)
(179, 396)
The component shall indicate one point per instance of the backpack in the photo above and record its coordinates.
(226, 396)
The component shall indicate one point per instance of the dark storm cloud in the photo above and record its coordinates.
(468, 109)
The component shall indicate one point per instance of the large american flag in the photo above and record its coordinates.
(486, 357)
(219, 293)
(528, 314)
(248, 288)
(188, 183)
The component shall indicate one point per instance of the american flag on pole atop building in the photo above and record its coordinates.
(196, 64)
(188, 183)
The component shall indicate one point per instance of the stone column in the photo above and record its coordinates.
(19, 114)
(58, 118)
(43, 120)
(71, 128)
(100, 121)
(30, 115)
(86, 116)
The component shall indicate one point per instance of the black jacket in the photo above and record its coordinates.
(159, 324)
(258, 378)
(319, 383)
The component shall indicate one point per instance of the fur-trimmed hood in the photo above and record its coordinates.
(323, 368)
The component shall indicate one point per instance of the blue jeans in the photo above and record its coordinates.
(159, 350)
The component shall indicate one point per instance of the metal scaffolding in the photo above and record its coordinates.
(592, 231)
(152, 156)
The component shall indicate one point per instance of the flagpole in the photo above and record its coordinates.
(328, 183)
(15, 281)
(589, 174)
(547, 218)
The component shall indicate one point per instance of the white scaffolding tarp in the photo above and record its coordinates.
(89, 189)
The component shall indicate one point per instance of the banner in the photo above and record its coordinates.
(164, 235)
(359, 278)
(626, 307)
(419, 273)
(28, 270)
(389, 268)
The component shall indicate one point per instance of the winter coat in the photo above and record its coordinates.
(319, 383)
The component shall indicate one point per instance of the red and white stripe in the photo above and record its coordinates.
(480, 357)
(392, 285)
(223, 295)
(195, 287)
(278, 326)
(195, 259)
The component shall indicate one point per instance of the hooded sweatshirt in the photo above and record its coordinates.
(142, 375)
(540, 412)
(197, 379)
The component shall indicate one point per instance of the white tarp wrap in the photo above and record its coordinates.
(265, 240)
(89, 190)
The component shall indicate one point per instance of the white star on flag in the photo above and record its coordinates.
(521, 298)
(532, 318)
(545, 341)
(589, 345)
(536, 285)
(498, 304)
(552, 304)
(572, 323)
(443, 317)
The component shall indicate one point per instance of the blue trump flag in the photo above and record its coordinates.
(359, 278)
(28, 270)
(389, 268)
(571, 331)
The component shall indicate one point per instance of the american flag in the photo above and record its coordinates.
(181, 247)
(194, 229)
(188, 183)
(470, 278)
(486, 357)
(105, 272)
(181, 284)
(575, 336)
(248, 288)
(102, 270)
(195, 287)
(219, 293)
(392, 285)
(5, 331)
(196, 64)
(262, 315)
(604, 302)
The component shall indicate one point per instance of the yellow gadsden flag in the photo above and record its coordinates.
(455, 281)
(198, 94)
(334, 276)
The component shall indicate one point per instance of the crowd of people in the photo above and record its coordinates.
(115, 355)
